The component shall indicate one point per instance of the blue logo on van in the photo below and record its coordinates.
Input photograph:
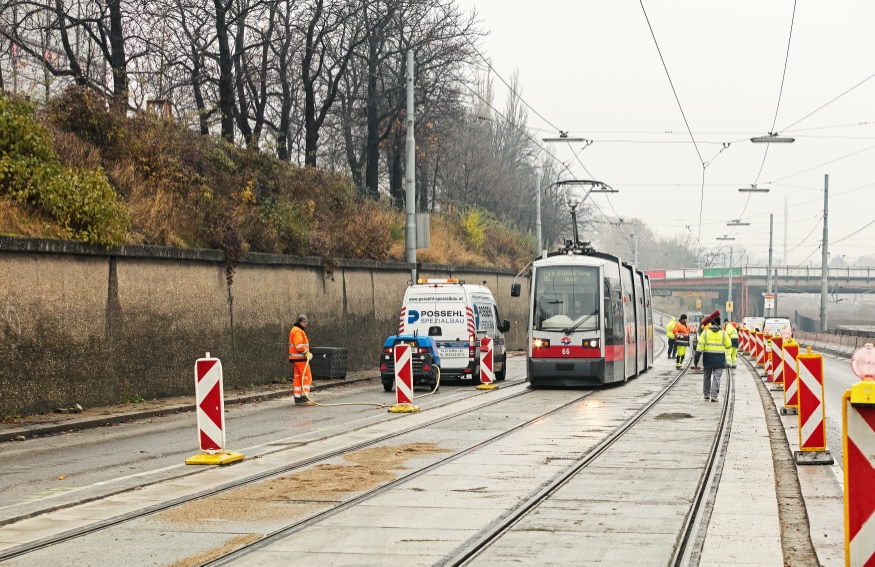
(412, 316)
(476, 317)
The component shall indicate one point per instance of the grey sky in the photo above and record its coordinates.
(592, 68)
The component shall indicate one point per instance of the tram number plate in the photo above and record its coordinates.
(566, 351)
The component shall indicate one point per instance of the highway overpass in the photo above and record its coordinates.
(750, 282)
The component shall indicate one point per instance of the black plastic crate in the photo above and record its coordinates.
(329, 362)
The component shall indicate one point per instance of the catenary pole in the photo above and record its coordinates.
(538, 210)
(824, 262)
(411, 172)
(769, 278)
(786, 224)
(729, 313)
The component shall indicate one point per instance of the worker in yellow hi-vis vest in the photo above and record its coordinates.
(713, 345)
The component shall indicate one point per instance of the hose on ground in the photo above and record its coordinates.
(377, 404)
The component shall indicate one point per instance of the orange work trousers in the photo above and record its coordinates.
(303, 378)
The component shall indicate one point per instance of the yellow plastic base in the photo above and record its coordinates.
(863, 393)
(220, 458)
(487, 387)
(404, 408)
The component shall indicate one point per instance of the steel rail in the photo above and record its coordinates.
(495, 531)
(105, 524)
(696, 521)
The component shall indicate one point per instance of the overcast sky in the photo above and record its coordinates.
(592, 68)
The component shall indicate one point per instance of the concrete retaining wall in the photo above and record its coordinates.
(86, 325)
(842, 345)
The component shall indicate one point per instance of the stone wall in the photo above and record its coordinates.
(87, 325)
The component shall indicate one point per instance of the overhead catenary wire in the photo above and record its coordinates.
(683, 115)
(777, 108)
(536, 143)
(821, 107)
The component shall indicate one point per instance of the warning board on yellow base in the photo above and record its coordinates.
(404, 408)
(218, 458)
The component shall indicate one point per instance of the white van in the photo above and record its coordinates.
(776, 325)
(753, 323)
(457, 315)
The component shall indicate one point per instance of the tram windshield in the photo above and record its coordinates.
(567, 299)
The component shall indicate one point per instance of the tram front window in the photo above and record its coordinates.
(567, 298)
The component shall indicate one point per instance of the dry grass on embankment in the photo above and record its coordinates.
(162, 184)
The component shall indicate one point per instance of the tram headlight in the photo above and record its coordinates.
(594, 343)
(541, 343)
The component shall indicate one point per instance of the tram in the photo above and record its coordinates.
(590, 317)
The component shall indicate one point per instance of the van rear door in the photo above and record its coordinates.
(441, 312)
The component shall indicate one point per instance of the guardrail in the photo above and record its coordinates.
(787, 272)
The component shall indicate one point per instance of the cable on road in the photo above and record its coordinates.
(378, 404)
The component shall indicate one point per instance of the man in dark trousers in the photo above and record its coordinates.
(713, 345)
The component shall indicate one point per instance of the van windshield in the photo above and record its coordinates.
(567, 298)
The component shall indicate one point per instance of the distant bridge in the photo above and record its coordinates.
(750, 282)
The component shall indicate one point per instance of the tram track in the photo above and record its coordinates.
(305, 522)
(151, 510)
(691, 538)
(314, 519)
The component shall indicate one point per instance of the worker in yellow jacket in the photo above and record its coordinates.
(669, 333)
(732, 353)
(299, 356)
(713, 345)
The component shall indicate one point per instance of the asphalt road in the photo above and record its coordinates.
(98, 462)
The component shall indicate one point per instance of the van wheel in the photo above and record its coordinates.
(387, 387)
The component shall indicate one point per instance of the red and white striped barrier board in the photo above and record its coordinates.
(487, 375)
(742, 340)
(859, 468)
(791, 385)
(761, 349)
(752, 345)
(403, 374)
(777, 360)
(812, 411)
(210, 401)
(401, 320)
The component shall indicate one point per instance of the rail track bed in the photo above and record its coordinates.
(620, 474)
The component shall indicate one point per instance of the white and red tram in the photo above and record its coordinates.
(590, 318)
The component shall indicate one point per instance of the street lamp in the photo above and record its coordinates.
(754, 189)
(737, 222)
(564, 137)
(726, 238)
(772, 138)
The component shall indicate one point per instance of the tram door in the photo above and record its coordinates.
(648, 311)
(630, 339)
(640, 322)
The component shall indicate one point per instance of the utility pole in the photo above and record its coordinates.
(411, 172)
(635, 249)
(786, 224)
(538, 210)
(771, 234)
(729, 299)
(824, 262)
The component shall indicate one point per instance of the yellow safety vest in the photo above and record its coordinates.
(669, 327)
(714, 341)
(732, 331)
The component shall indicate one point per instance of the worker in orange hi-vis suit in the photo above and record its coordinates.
(299, 356)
